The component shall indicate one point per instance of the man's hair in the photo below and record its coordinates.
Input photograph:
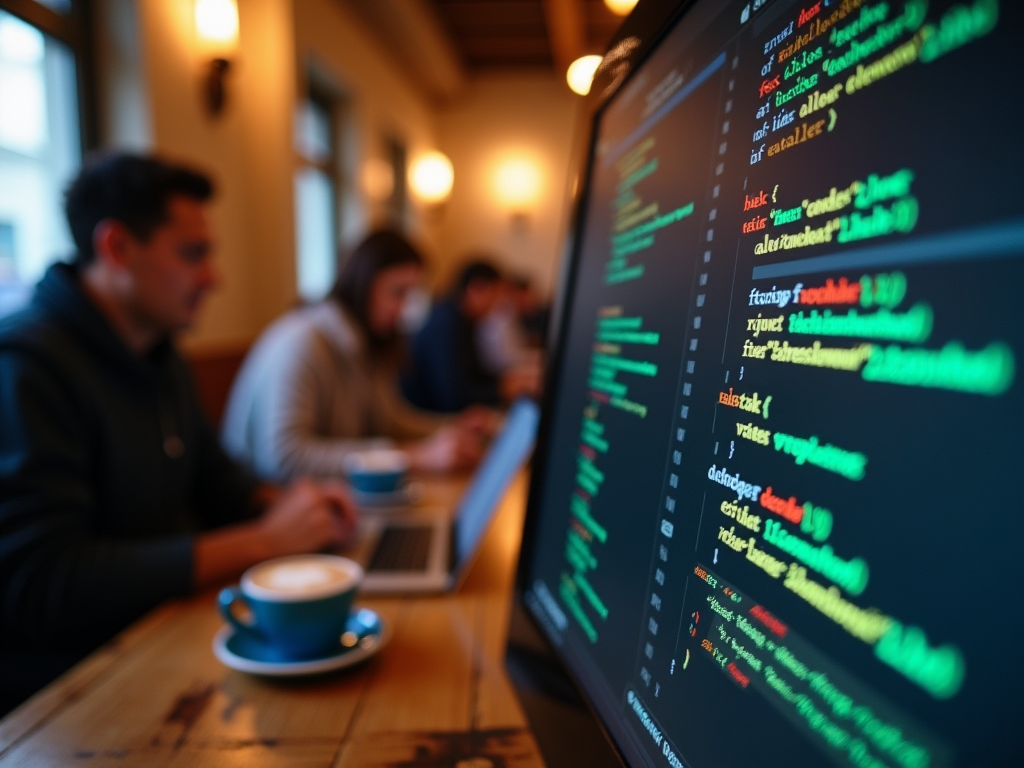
(131, 189)
(378, 251)
(476, 270)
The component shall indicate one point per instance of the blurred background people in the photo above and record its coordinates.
(510, 338)
(446, 372)
(115, 494)
(322, 381)
(533, 313)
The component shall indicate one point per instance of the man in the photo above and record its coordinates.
(114, 493)
(446, 372)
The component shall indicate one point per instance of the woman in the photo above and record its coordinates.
(321, 382)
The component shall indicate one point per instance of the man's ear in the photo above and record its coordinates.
(111, 242)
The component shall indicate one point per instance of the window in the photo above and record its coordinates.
(40, 139)
(316, 196)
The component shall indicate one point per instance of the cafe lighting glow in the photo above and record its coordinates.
(517, 183)
(217, 32)
(431, 177)
(620, 7)
(581, 73)
(217, 21)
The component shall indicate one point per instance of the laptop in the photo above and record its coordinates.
(430, 550)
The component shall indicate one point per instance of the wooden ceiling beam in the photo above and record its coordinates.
(565, 31)
(411, 30)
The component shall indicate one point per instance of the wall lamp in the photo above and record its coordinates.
(517, 184)
(581, 73)
(431, 177)
(620, 7)
(217, 30)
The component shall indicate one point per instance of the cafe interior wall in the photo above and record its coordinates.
(149, 71)
(521, 123)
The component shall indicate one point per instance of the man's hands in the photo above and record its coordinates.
(308, 517)
(457, 446)
(521, 381)
(305, 517)
(451, 447)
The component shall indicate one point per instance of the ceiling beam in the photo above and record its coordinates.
(412, 32)
(565, 30)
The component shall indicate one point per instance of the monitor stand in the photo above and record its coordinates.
(565, 730)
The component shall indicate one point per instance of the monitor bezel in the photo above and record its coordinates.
(649, 24)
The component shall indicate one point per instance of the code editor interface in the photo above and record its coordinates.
(779, 520)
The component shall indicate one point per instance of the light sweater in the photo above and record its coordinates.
(309, 393)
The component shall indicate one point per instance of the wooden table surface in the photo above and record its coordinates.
(436, 695)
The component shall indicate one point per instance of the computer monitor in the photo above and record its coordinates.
(775, 516)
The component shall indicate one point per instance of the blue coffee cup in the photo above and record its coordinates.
(381, 470)
(298, 605)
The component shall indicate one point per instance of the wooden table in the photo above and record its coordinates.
(437, 695)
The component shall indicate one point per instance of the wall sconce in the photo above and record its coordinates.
(217, 30)
(620, 7)
(431, 177)
(581, 73)
(517, 186)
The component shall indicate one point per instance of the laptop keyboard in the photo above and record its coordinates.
(402, 548)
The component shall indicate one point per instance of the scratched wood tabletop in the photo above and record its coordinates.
(436, 695)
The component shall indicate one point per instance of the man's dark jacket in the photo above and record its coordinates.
(107, 470)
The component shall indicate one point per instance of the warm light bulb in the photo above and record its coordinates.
(581, 73)
(517, 183)
(431, 177)
(217, 20)
(620, 7)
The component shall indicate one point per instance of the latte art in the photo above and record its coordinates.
(299, 577)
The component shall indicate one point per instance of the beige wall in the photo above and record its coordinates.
(500, 117)
(150, 71)
(381, 102)
(150, 67)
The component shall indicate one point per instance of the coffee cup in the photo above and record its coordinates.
(381, 470)
(299, 605)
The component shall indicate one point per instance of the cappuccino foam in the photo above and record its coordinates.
(300, 577)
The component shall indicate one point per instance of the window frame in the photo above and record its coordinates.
(74, 30)
(315, 91)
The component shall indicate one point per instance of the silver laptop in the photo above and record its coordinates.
(430, 550)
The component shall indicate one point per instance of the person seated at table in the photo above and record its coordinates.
(507, 342)
(115, 494)
(532, 312)
(322, 381)
(446, 372)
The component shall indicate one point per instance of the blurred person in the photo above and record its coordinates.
(115, 494)
(511, 336)
(532, 312)
(501, 342)
(446, 372)
(322, 381)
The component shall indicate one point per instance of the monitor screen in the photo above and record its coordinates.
(774, 517)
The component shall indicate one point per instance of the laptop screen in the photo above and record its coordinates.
(504, 458)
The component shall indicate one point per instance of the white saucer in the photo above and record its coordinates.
(407, 495)
(248, 654)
